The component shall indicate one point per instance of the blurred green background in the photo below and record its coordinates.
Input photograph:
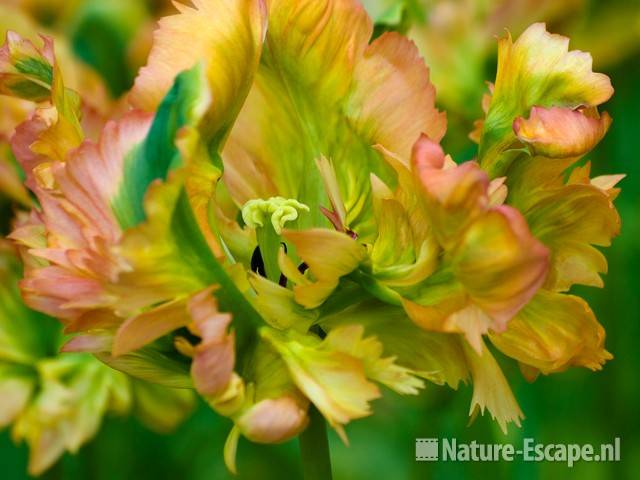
(577, 406)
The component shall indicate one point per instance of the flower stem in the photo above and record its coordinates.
(314, 448)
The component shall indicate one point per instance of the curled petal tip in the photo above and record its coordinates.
(561, 132)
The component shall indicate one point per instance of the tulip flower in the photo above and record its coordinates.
(274, 223)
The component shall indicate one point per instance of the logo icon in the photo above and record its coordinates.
(426, 449)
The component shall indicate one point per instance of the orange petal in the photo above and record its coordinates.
(275, 420)
(561, 132)
(456, 194)
(141, 329)
(214, 357)
(500, 263)
(394, 101)
(226, 35)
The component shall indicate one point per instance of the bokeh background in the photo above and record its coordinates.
(457, 39)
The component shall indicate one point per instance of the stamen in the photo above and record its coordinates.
(257, 263)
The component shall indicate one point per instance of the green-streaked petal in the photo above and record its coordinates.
(98, 191)
(79, 224)
(227, 36)
(350, 339)
(496, 247)
(278, 307)
(536, 70)
(436, 357)
(322, 91)
(25, 70)
(184, 105)
(490, 389)
(32, 73)
(333, 380)
(553, 332)
(570, 220)
(169, 256)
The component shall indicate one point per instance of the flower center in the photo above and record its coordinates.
(256, 213)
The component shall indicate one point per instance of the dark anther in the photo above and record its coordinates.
(352, 234)
(257, 264)
(303, 267)
(318, 331)
(186, 333)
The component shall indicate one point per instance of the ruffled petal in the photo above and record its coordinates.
(570, 220)
(350, 339)
(79, 222)
(333, 380)
(553, 332)
(214, 356)
(490, 389)
(329, 255)
(226, 35)
(456, 194)
(393, 101)
(561, 132)
(496, 247)
(32, 73)
(321, 84)
(535, 70)
(436, 357)
(483, 244)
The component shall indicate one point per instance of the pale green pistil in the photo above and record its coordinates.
(256, 213)
(280, 211)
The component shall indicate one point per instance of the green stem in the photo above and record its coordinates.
(269, 242)
(314, 448)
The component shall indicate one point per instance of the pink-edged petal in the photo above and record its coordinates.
(561, 132)
(394, 102)
(214, 356)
